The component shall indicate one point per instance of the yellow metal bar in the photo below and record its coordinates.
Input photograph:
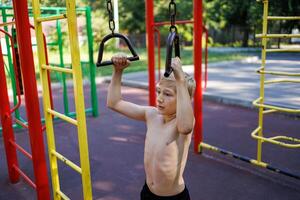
(277, 35)
(277, 73)
(62, 116)
(7, 23)
(283, 50)
(290, 110)
(67, 161)
(283, 18)
(51, 18)
(62, 195)
(282, 81)
(269, 111)
(58, 69)
(274, 141)
(46, 98)
(79, 100)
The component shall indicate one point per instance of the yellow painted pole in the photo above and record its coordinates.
(79, 100)
(46, 98)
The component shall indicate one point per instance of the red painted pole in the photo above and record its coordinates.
(7, 128)
(198, 72)
(31, 99)
(150, 47)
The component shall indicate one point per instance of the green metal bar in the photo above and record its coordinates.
(61, 64)
(94, 97)
(45, 8)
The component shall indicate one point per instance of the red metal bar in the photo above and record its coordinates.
(198, 73)
(206, 57)
(31, 99)
(177, 22)
(26, 178)
(7, 128)
(151, 52)
(21, 123)
(156, 30)
(15, 69)
(21, 149)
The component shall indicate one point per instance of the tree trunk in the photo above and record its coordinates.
(245, 37)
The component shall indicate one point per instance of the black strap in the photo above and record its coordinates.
(101, 63)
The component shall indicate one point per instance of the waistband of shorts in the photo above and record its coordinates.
(166, 197)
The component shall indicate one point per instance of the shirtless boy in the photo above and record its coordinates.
(169, 130)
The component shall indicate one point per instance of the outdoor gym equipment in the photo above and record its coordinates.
(111, 23)
(172, 40)
(35, 128)
(89, 64)
(49, 112)
(284, 141)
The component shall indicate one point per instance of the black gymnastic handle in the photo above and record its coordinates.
(172, 40)
(101, 63)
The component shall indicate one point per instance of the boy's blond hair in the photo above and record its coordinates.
(191, 84)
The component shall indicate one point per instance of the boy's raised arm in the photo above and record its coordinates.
(184, 110)
(114, 97)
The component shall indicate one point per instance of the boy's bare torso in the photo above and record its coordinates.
(165, 155)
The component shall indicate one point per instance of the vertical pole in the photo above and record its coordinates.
(116, 19)
(198, 73)
(94, 97)
(62, 64)
(150, 47)
(31, 99)
(7, 129)
(262, 79)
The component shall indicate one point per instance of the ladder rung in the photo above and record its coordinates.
(278, 36)
(26, 178)
(21, 149)
(278, 108)
(7, 23)
(282, 81)
(276, 139)
(62, 195)
(58, 69)
(66, 161)
(62, 116)
(283, 18)
(51, 18)
(277, 73)
(282, 50)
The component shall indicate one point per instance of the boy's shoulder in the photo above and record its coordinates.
(151, 111)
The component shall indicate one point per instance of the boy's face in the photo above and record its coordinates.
(166, 97)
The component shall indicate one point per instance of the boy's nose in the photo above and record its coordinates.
(159, 99)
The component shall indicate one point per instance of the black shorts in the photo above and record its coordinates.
(146, 194)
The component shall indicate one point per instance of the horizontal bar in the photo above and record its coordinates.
(62, 195)
(62, 116)
(248, 160)
(282, 81)
(21, 149)
(282, 50)
(261, 71)
(290, 110)
(58, 69)
(66, 161)
(177, 22)
(278, 36)
(26, 178)
(51, 18)
(281, 137)
(269, 111)
(47, 8)
(274, 141)
(19, 122)
(283, 18)
(7, 23)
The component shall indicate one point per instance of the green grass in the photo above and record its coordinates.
(141, 65)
